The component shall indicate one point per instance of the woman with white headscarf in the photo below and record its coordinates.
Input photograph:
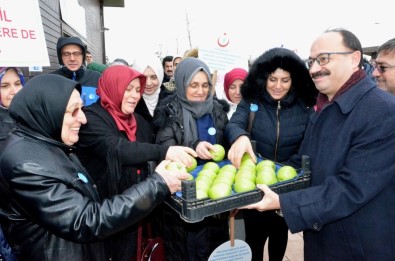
(154, 91)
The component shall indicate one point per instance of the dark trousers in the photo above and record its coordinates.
(262, 225)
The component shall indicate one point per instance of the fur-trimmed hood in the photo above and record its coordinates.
(254, 87)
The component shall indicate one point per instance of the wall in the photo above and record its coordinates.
(54, 27)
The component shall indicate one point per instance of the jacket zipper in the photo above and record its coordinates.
(277, 129)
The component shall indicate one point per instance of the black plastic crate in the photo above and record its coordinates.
(193, 210)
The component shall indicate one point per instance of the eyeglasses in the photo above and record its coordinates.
(74, 54)
(322, 58)
(382, 69)
(74, 111)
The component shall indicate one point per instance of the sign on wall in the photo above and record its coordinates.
(22, 40)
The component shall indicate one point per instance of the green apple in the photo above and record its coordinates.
(245, 156)
(286, 173)
(250, 168)
(211, 165)
(193, 166)
(203, 184)
(228, 167)
(208, 172)
(243, 185)
(218, 153)
(201, 194)
(176, 166)
(265, 162)
(244, 173)
(224, 179)
(190, 177)
(226, 174)
(219, 190)
(248, 164)
(266, 176)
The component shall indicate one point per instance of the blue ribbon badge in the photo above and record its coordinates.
(253, 107)
(82, 177)
(212, 131)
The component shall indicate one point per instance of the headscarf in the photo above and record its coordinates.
(230, 77)
(112, 86)
(140, 64)
(192, 110)
(41, 104)
(3, 70)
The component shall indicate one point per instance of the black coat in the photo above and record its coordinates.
(54, 214)
(212, 231)
(142, 108)
(117, 163)
(168, 123)
(103, 148)
(6, 123)
(49, 204)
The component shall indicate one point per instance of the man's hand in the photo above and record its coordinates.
(270, 200)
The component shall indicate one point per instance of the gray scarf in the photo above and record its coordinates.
(191, 110)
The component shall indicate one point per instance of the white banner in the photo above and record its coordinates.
(22, 40)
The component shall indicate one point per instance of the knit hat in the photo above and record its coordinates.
(233, 75)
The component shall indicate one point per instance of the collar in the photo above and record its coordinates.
(349, 99)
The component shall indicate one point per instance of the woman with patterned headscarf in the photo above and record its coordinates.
(11, 82)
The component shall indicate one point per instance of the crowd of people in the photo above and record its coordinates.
(77, 147)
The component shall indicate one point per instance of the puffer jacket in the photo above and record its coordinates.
(50, 206)
(278, 126)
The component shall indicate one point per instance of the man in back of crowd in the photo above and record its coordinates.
(384, 68)
(88, 57)
(167, 64)
(72, 54)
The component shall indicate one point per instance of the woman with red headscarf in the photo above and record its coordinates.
(233, 81)
(116, 143)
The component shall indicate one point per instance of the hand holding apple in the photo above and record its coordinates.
(181, 154)
(172, 177)
(239, 147)
(217, 153)
(193, 165)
